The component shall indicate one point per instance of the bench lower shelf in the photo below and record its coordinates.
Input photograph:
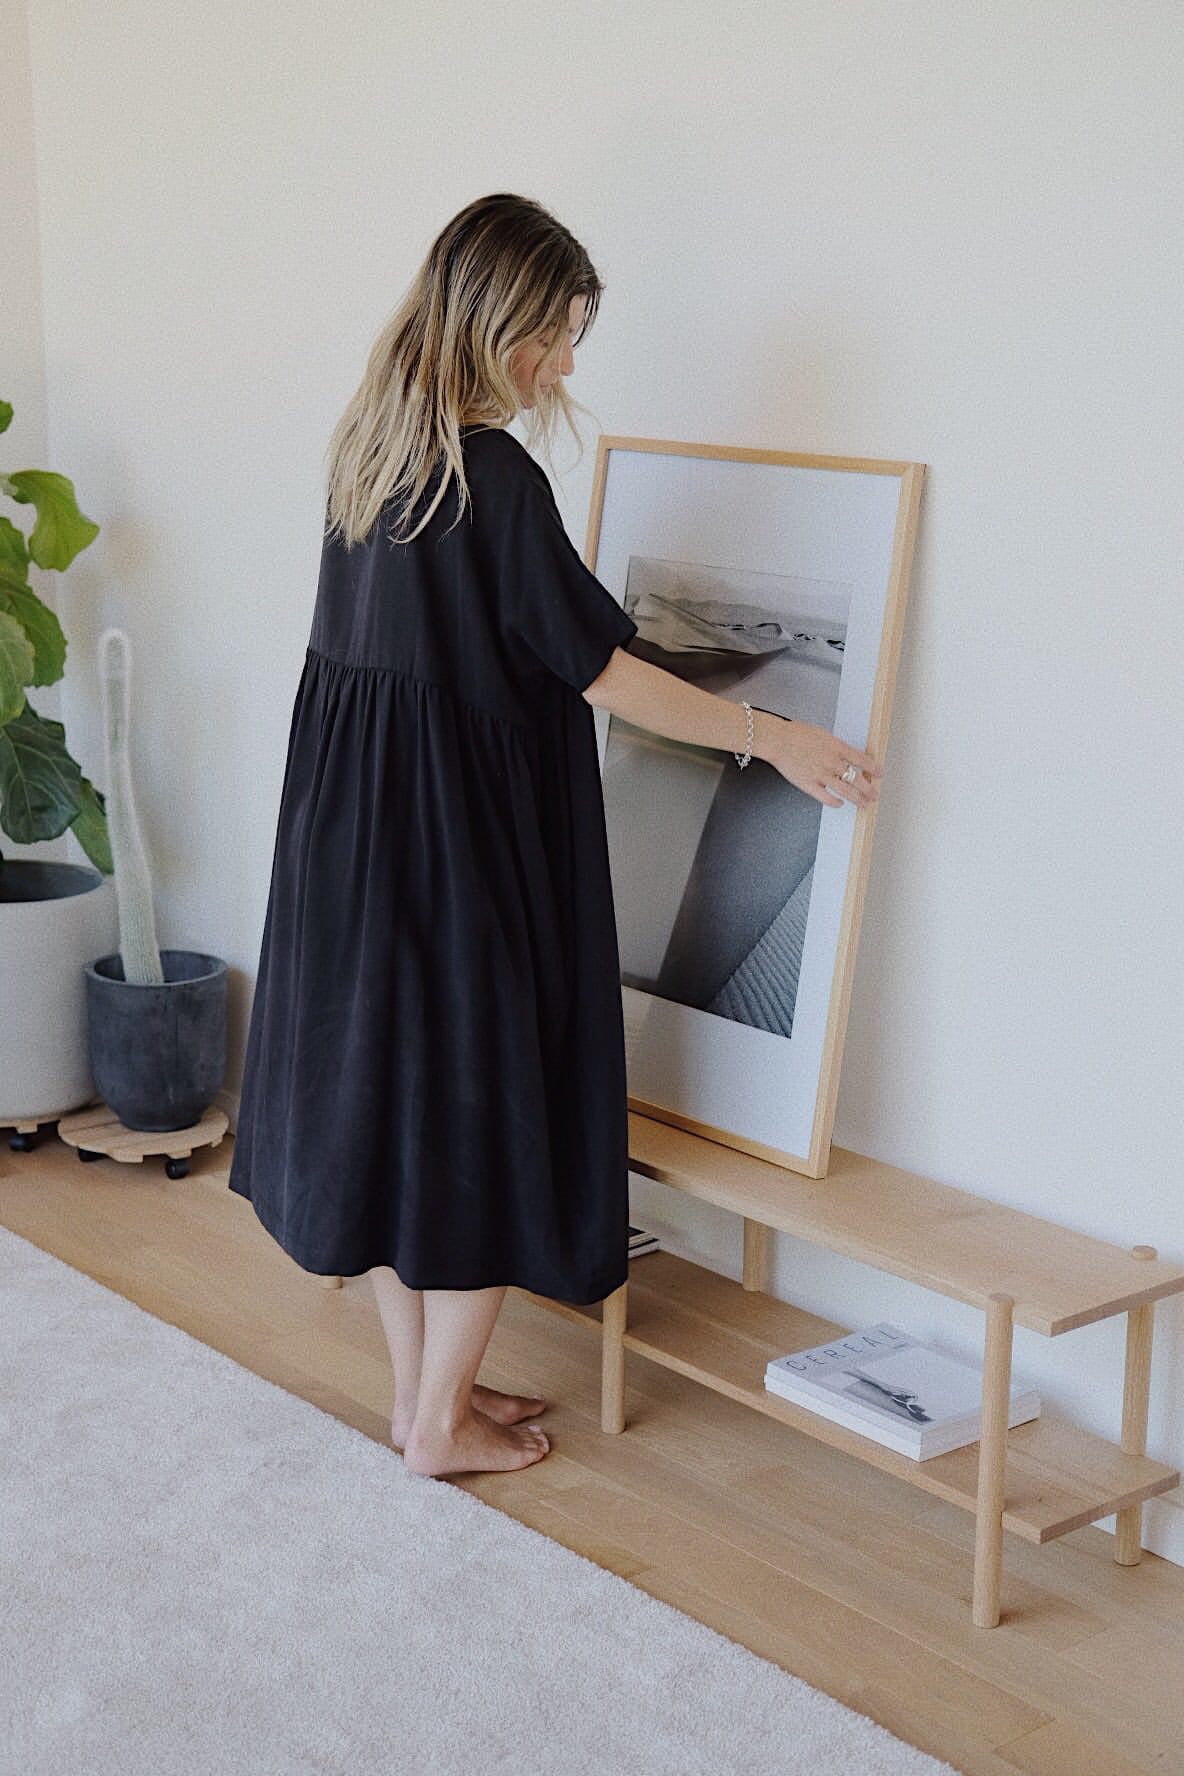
(1057, 1477)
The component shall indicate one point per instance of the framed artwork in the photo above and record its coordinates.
(781, 579)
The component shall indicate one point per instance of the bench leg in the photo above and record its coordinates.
(1136, 1396)
(756, 1255)
(612, 1360)
(992, 1461)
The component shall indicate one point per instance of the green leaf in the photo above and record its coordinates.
(40, 784)
(61, 531)
(17, 665)
(42, 628)
(5, 415)
(90, 828)
(14, 551)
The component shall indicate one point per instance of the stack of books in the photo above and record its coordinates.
(893, 1388)
(641, 1241)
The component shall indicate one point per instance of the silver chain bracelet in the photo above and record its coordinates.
(745, 758)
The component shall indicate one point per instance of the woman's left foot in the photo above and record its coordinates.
(504, 1409)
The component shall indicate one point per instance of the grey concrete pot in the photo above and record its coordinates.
(54, 917)
(158, 1052)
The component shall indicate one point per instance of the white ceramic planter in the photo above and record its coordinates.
(54, 919)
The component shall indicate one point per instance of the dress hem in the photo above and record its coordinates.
(359, 1270)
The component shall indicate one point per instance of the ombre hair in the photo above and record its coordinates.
(502, 273)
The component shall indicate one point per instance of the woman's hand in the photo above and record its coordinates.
(814, 759)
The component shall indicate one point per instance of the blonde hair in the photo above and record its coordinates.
(503, 272)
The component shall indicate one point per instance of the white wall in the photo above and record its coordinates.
(921, 230)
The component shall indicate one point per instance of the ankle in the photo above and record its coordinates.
(442, 1418)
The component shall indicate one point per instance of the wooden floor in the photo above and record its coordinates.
(856, 1582)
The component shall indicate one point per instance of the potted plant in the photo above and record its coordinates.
(156, 1018)
(54, 917)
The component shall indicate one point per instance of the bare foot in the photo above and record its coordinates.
(507, 1409)
(502, 1408)
(477, 1445)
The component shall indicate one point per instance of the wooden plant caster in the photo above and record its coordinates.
(26, 1134)
(96, 1130)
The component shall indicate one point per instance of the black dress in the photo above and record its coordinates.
(435, 1065)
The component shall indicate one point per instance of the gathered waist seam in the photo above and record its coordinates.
(509, 721)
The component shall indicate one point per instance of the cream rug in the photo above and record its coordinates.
(203, 1573)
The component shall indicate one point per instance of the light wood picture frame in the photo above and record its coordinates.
(780, 577)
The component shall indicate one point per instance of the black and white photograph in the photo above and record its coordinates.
(708, 936)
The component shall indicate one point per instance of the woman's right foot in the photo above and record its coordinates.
(477, 1445)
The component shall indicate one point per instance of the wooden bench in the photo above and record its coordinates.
(1041, 1479)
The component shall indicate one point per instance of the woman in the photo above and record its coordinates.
(434, 1089)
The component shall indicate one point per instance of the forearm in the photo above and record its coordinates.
(649, 697)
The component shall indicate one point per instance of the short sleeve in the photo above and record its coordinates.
(554, 605)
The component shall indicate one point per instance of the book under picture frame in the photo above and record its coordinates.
(780, 578)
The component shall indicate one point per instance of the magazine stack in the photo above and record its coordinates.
(640, 1241)
(893, 1388)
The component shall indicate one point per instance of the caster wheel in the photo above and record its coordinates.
(22, 1143)
(177, 1168)
(85, 1155)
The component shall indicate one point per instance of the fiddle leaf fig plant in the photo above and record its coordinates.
(42, 789)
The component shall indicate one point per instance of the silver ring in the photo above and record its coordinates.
(850, 774)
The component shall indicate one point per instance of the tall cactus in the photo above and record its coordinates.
(133, 881)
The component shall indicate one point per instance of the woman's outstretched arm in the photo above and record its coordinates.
(811, 757)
